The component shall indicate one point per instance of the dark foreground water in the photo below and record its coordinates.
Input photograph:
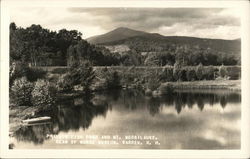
(128, 119)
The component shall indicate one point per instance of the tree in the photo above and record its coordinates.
(39, 46)
(112, 79)
(191, 75)
(177, 71)
(81, 74)
(87, 76)
(83, 51)
(43, 94)
(13, 26)
(209, 73)
(152, 60)
(181, 55)
(223, 71)
(21, 92)
(17, 44)
(72, 57)
(199, 71)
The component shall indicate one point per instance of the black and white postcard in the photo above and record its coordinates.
(148, 79)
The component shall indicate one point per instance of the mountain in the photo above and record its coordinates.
(144, 41)
(115, 35)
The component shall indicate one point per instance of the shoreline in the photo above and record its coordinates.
(19, 113)
(233, 85)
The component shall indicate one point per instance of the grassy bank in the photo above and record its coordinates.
(139, 77)
(233, 71)
(19, 113)
(214, 84)
(149, 79)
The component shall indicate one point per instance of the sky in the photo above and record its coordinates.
(216, 23)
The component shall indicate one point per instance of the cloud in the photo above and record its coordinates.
(161, 16)
(217, 32)
(218, 22)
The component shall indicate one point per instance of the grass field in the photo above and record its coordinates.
(234, 72)
(214, 84)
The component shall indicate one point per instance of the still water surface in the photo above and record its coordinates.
(183, 120)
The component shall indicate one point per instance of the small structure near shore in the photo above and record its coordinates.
(36, 120)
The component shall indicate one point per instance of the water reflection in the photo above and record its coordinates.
(132, 99)
(70, 115)
(78, 113)
(36, 134)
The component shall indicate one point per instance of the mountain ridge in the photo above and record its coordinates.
(132, 37)
(114, 35)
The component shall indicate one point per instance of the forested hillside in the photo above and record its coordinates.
(115, 35)
(38, 46)
(155, 49)
(143, 41)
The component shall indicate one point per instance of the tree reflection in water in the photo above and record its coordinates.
(37, 134)
(154, 106)
(78, 113)
(181, 100)
(70, 115)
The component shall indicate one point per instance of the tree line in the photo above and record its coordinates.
(38, 46)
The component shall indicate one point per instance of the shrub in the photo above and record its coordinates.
(17, 70)
(167, 75)
(209, 73)
(177, 71)
(33, 74)
(223, 71)
(79, 74)
(153, 83)
(176, 75)
(87, 76)
(166, 89)
(199, 72)
(43, 93)
(182, 75)
(191, 75)
(64, 84)
(112, 80)
(21, 92)
(128, 78)
(152, 80)
(234, 72)
(21, 69)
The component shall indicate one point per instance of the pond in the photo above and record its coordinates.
(130, 120)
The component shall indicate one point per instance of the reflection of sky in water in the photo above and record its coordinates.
(193, 126)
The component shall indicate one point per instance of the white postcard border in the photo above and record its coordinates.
(125, 153)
